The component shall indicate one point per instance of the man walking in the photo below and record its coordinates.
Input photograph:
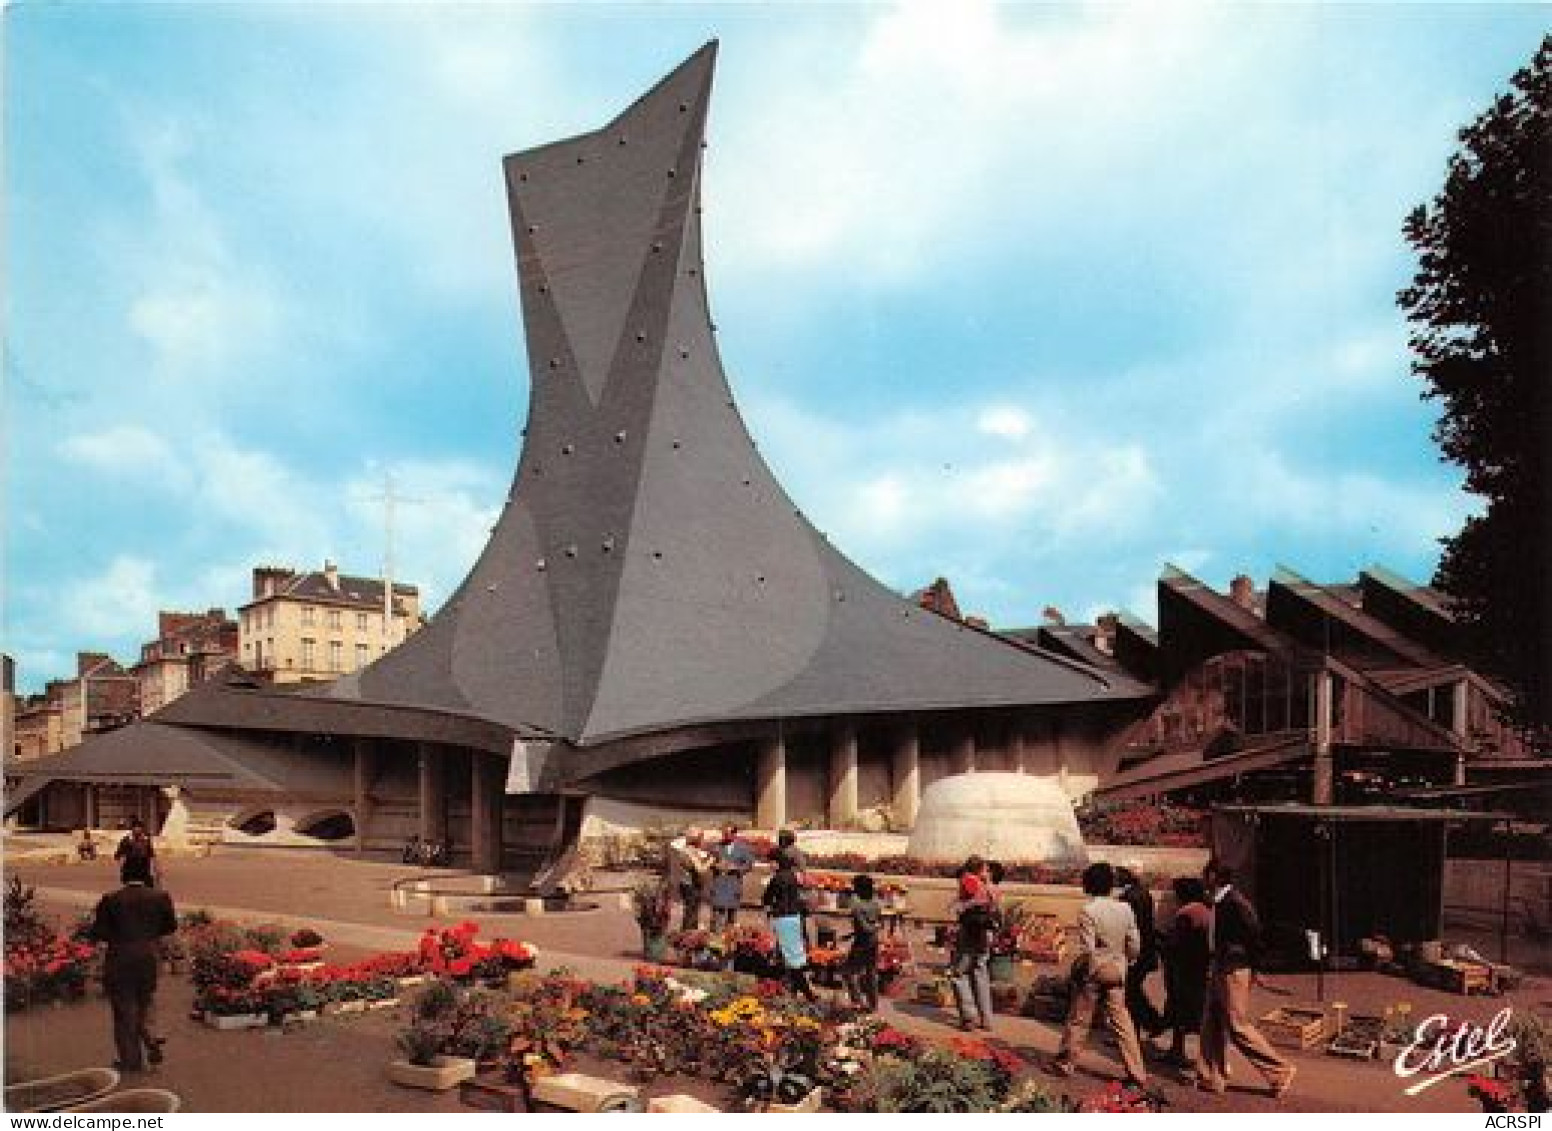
(132, 921)
(1108, 936)
(1234, 942)
(1135, 894)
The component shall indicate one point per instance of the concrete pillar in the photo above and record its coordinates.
(905, 776)
(1017, 758)
(770, 805)
(364, 772)
(433, 792)
(90, 820)
(1324, 789)
(487, 787)
(843, 776)
(961, 758)
(1460, 714)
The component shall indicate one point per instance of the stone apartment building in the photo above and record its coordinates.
(305, 627)
(188, 648)
(101, 697)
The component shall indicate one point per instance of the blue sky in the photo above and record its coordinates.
(1036, 298)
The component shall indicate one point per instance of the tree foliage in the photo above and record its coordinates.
(1481, 312)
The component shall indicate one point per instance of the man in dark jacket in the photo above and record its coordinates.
(1135, 894)
(132, 921)
(1234, 940)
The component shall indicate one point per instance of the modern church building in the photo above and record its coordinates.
(654, 626)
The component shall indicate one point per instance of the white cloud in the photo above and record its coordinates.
(1005, 421)
(127, 452)
(119, 601)
(201, 308)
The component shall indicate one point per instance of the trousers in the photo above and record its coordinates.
(131, 986)
(1110, 997)
(971, 980)
(1225, 1021)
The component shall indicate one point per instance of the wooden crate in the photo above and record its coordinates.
(1007, 997)
(1295, 1026)
(1457, 977)
(934, 991)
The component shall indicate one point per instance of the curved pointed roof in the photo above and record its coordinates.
(648, 571)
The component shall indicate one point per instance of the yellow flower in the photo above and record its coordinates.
(640, 999)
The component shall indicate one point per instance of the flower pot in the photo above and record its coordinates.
(442, 1073)
(807, 1105)
(1000, 968)
(236, 1020)
(654, 947)
(133, 1100)
(52, 1093)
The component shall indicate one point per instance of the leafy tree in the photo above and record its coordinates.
(1481, 312)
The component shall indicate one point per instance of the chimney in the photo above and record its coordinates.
(1104, 633)
(331, 574)
(86, 661)
(1053, 616)
(1242, 591)
(267, 580)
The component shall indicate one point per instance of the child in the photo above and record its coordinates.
(862, 962)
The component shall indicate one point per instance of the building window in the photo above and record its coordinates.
(360, 622)
(269, 617)
(336, 656)
(334, 619)
(307, 614)
(362, 654)
(309, 652)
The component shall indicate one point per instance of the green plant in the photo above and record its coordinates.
(266, 937)
(932, 1080)
(436, 1001)
(1032, 1097)
(650, 900)
(23, 921)
(420, 1043)
(1532, 1039)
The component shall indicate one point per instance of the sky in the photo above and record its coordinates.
(1033, 297)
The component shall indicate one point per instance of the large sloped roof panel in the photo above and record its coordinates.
(648, 570)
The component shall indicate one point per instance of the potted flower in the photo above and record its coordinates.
(650, 904)
(423, 1064)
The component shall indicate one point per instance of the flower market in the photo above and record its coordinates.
(563, 1011)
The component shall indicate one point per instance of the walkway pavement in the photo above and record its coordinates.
(347, 900)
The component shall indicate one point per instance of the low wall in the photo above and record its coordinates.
(1477, 886)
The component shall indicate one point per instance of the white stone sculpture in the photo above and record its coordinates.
(1022, 818)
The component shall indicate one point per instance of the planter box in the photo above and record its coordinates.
(133, 1100)
(805, 1106)
(237, 1020)
(573, 1091)
(347, 1007)
(1295, 1027)
(410, 980)
(51, 1093)
(679, 1105)
(382, 1003)
(442, 1074)
(934, 991)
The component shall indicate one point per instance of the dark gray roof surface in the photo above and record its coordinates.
(648, 571)
(150, 753)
